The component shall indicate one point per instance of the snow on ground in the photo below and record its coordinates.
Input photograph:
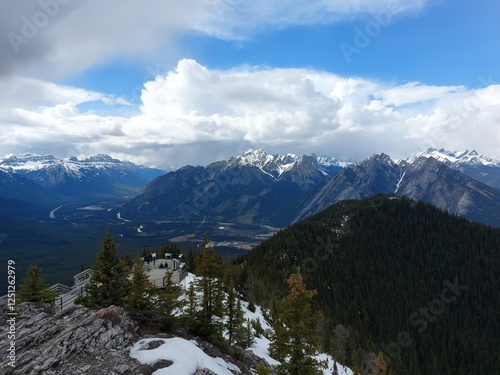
(260, 348)
(187, 358)
(119, 216)
(342, 370)
(257, 315)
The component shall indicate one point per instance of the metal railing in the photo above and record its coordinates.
(67, 295)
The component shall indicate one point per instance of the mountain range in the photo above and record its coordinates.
(254, 187)
(251, 188)
(42, 178)
(277, 190)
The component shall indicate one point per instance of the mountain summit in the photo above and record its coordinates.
(254, 187)
(479, 167)
(99, 175)
(422, 178)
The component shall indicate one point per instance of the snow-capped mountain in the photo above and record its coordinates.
(422, 178)
(456, 158)
(479, 167)
(276, 165)
(256, 187)
(97, 175)
(252, 187)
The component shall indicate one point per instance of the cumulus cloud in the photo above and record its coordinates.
(195, 115)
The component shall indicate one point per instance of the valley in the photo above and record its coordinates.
(56, 210)
(68, 236)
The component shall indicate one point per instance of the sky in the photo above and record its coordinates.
(168, 83)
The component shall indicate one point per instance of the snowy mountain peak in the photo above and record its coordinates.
(16, 160)
(70, 174)
(100, 158)
(275, 165)
(456, 158)
(32, 162)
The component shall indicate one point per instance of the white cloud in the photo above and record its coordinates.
(55, 38)
(195, 115)
(239, 19)
(60, 37)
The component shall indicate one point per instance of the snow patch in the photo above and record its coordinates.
(119, 216)
(186, 356)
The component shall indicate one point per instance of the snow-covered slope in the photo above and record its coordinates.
(456, 158)
(276, 165)
(29, 163)
(479, 167)
(175, 349)
(99, 174)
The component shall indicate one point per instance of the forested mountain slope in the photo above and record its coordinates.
(397, 276)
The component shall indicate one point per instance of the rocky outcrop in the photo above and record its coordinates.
(74, 341)
(82, 341)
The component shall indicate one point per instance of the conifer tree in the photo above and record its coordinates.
(139, 302)
(190, 320)
(35, 288)
(296, 339)
(231, 306)
(168, 301)
(208, 284)
(380, 365)
(235, 324)
(109, 283)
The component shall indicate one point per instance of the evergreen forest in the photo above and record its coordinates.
(394, 277)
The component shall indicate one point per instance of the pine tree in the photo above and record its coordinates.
(335, 369)
(296, 339)
(108, 284)
(235, 324)
(189, 316)
(231, 321)
(208, 284)
(35, 288)
(168, 302)
(380, 365)
(139, 301)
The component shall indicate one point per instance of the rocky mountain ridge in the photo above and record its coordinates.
(277, 190)
(422, 178)
(246, 188)
(82, 341)
(71, 178)
(479, 167)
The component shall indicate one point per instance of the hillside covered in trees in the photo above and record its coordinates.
(394, 276)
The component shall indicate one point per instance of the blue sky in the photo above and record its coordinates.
(167, 84)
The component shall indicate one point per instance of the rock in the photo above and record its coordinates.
(71, 341)
(205, 371)
(84, 368)
(86, 342)
(122, 369)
